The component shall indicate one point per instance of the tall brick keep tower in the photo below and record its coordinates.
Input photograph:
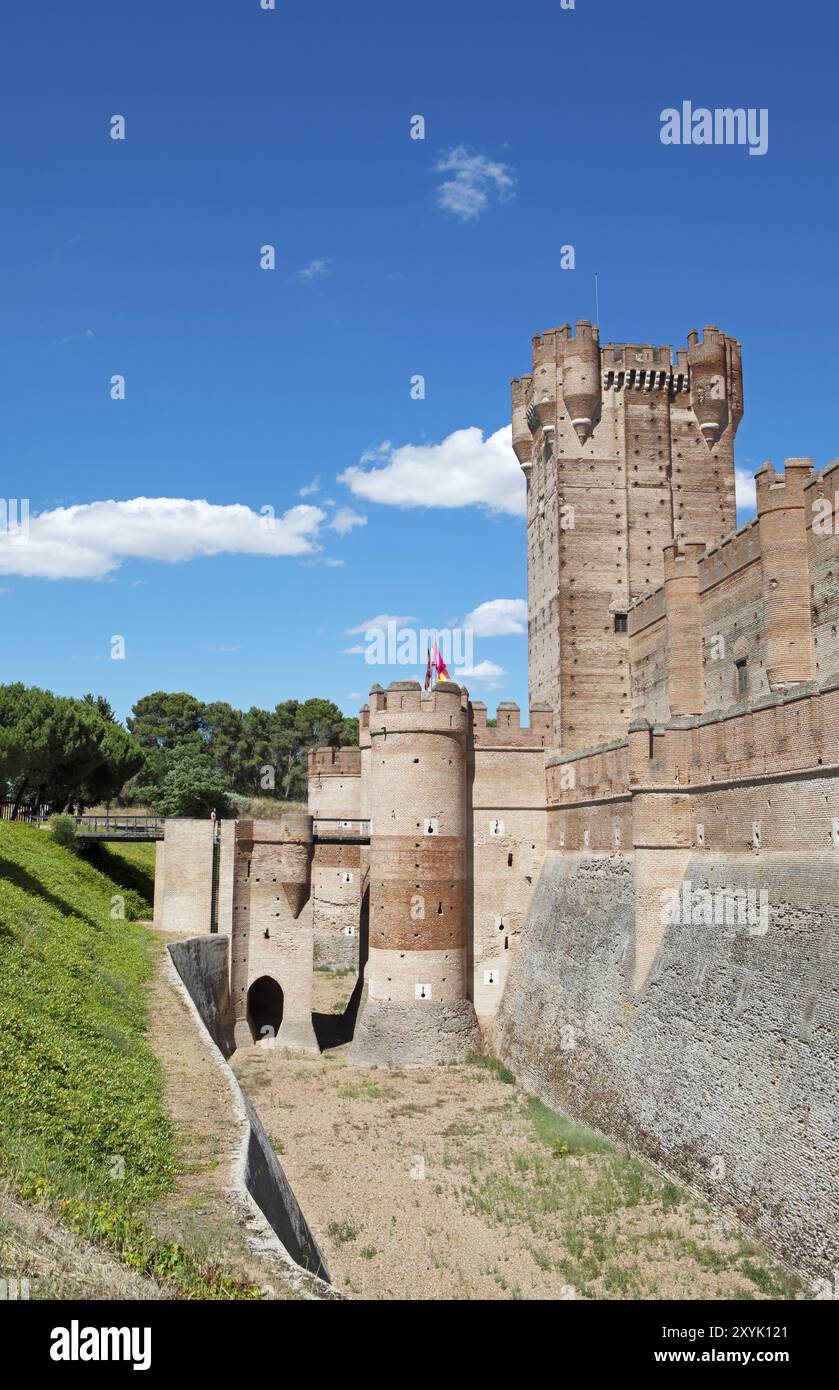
(623, 448)
(417, 1011)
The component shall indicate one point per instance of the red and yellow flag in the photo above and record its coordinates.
(439, 664)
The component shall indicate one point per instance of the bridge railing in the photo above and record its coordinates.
(114, 827)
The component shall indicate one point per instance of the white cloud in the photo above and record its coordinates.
(357, 650)
(345, 520)
(381, 621)
(92, 540)
(315, 270)
(484, 673)
(464, 470)
(499, 617)
(313, 486)
(744, 489)
(377, 453)
(475, 178)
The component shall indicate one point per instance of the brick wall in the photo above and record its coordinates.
(621, 448)
(187, 876)
(506, 775)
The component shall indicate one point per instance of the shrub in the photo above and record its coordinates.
(193, 786)
(63, 832)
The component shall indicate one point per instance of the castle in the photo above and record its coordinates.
(503, 885)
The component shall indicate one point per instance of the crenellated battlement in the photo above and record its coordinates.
(402, 697)
(507, 730)
(714, 360)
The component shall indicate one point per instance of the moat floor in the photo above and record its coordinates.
(452, 1183)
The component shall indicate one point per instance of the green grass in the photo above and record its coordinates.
(363, 1090)
(492, 1064)
(561, 1135)
(83, 1127)
(342, 1232)
(568, 1184)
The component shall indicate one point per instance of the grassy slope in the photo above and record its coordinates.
(80, 1083)
(82, 1120)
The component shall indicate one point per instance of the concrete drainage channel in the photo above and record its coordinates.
(197, 969)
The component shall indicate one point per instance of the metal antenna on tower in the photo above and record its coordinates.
(596, 301)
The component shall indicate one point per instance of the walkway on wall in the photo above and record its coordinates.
(119, 827)
(331, 830)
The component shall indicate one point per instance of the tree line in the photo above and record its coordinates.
(178, 754)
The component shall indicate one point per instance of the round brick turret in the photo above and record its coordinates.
(581, 380)
(416, 1010)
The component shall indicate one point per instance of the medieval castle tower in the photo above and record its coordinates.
(418, 1006)
(623, 448)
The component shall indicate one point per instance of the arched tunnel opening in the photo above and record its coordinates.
(265, 1008)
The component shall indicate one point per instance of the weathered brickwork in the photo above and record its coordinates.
(272, 939)
(753, 614)
(339, 871)
(183, 900)
(506, 775)
(821, 495)
(622, 448)
(417, 1007)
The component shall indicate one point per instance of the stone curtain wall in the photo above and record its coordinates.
(768, 595)
(721, 1067)
(769, 771)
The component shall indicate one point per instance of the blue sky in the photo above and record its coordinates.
(243, 386)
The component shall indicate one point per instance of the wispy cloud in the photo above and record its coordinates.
(346, 520)
(309, 488)
(77, 337)
(484, 673)
(377, 453)
(315, 270)
(380, 621)
(91, 541)
(475, 179)
(498, 617)
(464, 470)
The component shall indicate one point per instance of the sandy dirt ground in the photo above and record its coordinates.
(452, 1183)
(198, 1212)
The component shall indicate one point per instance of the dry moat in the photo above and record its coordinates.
(453, 1183)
